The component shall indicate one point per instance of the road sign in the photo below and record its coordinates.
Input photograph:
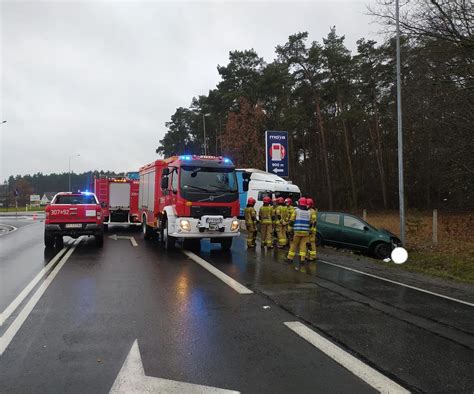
(35, 198)
(276, 148)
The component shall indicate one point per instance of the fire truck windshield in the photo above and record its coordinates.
(208, 179)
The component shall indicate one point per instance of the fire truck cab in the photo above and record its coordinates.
(190, 197)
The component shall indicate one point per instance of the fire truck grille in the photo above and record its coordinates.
(197, 212)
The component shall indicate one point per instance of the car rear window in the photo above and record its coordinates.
(332, 218)
(75, 199)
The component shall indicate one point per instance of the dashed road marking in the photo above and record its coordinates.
(25, 312)
(369, 375)
(241, 289)
(399, 283)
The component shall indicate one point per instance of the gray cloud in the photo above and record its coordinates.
(102, 78)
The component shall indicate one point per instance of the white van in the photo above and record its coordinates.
(261, 184)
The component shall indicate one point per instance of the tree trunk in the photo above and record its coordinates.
(324, 152)
(349, 160)
(377, 139)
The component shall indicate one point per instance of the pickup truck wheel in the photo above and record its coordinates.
(382, 250)
(226, 243)
(169, 242)
(99, 239)
(48, 240)
(59, 241)
(146, 229)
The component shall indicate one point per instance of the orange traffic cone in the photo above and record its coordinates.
(35, 216)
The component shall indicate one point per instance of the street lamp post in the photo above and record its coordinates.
(401, 193)
(204, 127)
(70, 157)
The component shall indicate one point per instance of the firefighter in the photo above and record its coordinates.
(300, 221)
(291, 208)
(274, 224)
(265, 216)
(282, 218)
(312, 232)
(250, 215)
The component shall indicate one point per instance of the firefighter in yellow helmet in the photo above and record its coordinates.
(250, 215)
(265, 216)
(312, 233)
(281, 218)
(300, 221)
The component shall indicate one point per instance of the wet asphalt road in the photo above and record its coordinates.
(192, 327)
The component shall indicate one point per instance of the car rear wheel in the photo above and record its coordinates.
(48, 240)
(382, 250)
(226, 243)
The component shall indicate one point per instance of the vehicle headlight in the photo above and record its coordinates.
(235, 225)
(185, 225)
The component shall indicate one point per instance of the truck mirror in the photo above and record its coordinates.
(164, 183)
(166, 171)
(245, 185)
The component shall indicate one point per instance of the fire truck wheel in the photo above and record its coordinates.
(48, 240)
(226, 243)
(99, 239)
(146, 230)
(169, 242)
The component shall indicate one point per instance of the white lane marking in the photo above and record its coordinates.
(116, 237)
(354, 365)
(12, 229)
(24, 293)
(132, 379)
(241, 289)
(25, 312)
(399, 283)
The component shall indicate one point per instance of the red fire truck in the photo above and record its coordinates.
(190, 197)
(119, 199)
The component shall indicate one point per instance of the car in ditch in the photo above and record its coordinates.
(73, 215)
(349, 231)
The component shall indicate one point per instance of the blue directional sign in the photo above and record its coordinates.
(276, 148)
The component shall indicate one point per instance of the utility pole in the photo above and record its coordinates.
(204, 128)
(401, 193)
(70, 170)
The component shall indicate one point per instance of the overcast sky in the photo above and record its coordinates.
(101, 78)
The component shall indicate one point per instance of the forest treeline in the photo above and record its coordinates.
(340, 111)
(43, 183)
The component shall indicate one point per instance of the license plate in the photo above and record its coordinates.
(213, 226)
(73, 225)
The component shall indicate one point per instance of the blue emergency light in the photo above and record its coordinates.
(227, 161)
(185, 157)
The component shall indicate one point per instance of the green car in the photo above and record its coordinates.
(349, 231)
